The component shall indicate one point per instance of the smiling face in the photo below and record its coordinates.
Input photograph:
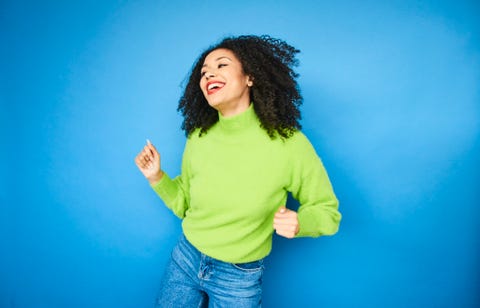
(224, 84)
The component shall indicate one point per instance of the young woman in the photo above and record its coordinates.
(243, 154)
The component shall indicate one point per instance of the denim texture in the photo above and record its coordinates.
(193, 279)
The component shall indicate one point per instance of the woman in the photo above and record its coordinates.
(243, 154)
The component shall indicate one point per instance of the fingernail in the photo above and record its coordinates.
(148, 142)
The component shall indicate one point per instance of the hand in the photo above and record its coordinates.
(148, 161)
(285, 222)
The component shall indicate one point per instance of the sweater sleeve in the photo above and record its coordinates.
(309, 183)
(175, 192)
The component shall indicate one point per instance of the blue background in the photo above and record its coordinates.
(392, 105)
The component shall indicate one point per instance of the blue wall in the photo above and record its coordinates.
(392, 105)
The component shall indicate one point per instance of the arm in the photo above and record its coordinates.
(173, 192)
(318, 212)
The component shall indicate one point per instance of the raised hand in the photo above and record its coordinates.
(148, 162)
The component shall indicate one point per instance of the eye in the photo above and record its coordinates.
(222, 65)
(202, 74)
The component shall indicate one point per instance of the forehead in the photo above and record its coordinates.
(217, 54)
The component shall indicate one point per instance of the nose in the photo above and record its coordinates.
(209, 74)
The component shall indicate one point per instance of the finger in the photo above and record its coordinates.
(148, 158)
(139, 161)
(146, 162)
(285, 222)
(287, 229)
(286, 215)
(280, 212)
(143, 162)
(145, 159)
(147, 151)
(152, 149)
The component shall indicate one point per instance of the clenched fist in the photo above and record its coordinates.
(148, 161)
(285, 222)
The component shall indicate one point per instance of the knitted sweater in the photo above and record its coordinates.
(233, 180)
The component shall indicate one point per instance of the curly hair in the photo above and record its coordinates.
(275, 93)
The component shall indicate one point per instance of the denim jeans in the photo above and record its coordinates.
(193, 279)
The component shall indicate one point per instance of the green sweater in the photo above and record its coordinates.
(233, 180)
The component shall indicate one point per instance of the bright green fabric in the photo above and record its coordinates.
(233, 180)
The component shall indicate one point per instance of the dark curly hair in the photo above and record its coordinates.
(275, 93)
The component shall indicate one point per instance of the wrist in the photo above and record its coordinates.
(154, 179)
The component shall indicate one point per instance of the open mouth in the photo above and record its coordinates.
(214, 86)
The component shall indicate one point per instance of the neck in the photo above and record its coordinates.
(230, 111)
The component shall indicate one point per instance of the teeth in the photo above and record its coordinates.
(214, 85)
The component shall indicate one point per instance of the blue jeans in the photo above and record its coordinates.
(193, 279)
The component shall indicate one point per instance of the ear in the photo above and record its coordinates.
(249, 81)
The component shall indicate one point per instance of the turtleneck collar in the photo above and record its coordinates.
(245, 119)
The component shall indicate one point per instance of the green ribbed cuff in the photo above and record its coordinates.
(165, 188)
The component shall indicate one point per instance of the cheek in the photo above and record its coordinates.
(201, 84)
(202, 88)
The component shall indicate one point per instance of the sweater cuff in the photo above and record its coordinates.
(165, 188)
(316, 223)
(308, 225)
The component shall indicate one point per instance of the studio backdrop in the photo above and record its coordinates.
(391, 104)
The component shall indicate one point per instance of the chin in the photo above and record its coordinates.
(214, 104)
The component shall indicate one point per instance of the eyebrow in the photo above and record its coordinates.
(219, 58)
